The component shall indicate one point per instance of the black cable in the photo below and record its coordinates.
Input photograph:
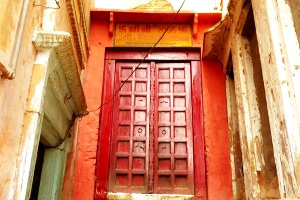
(167, 28)
(68, 134)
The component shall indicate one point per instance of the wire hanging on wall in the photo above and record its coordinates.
(142, 61)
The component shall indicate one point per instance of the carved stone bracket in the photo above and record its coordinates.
(62, 43)
(195, 25)
(6, 72)
(111, 24)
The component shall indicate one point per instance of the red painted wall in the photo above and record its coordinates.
(88, 128)
(216, 135)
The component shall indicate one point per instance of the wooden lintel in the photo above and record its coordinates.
(274, 32)
(252, 188)
(61, 42)
(195, 25)
(111, 24)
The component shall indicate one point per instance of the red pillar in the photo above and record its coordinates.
(216, 134)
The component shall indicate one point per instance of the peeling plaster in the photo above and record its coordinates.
(190, 5)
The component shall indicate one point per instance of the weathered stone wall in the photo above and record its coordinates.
(13, 93)
(9, 11)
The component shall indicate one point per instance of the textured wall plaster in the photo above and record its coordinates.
(190, 5)
(12, 105)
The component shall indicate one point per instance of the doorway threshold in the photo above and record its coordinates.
(139, 196)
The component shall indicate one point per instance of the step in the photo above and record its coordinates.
(136, 196)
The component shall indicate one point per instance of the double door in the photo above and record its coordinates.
(152, 136)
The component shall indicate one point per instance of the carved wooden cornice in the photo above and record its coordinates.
(78, 23)
(84, 25)
(62, 43)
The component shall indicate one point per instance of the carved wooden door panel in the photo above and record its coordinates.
(152, 137)
(130, 137)
(173, 135)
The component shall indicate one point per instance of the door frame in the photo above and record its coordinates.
(105, 126)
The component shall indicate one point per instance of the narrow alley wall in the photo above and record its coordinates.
(214, 99)
(16, 136)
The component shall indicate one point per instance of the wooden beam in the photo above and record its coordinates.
(238, 186)
(280, 92)
(251, 99)
(252, 187)
(62, 42)
(293, 75)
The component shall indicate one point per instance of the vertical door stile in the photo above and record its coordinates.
(189, 125)
(132, 119)
(105, 131)
(151, 126)
(115, 113)
(155, 127)
(172, 120)
(198, 131)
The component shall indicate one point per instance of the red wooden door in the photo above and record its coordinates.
(152, 136)
(130, 137)
(173, 135)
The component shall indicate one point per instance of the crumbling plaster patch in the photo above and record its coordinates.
(189, 5)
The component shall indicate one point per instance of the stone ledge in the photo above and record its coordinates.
(136, 196)
(6, 72)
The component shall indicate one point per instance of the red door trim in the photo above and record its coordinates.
(105, 127)
(102, 166)
(198, 128)
(160, 53)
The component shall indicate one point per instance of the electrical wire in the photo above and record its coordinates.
(142, 61)
(68, 133)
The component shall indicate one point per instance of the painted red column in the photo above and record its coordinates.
(216, 133)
